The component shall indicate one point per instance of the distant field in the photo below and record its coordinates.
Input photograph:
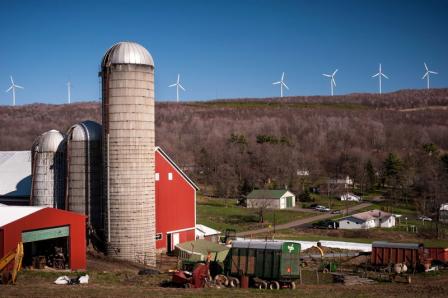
(224, 214)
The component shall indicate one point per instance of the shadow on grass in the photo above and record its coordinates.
(240, 218)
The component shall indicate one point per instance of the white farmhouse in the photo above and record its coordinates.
(367, 220)
(275, 199)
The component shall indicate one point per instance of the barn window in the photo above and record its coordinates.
(157, 177)
(170, 176)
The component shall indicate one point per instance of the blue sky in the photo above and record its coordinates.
(223, 49)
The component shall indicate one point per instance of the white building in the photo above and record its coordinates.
(367, 220)
(15, 177)
(350, 197)
(275, 199)
(207, 233)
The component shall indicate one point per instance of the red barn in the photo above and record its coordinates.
(175, 203)
(41, 229)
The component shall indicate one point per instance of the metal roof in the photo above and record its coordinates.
(386, 244)
(9, 214)
(258, 244)
(268, 194)
(85, 131)
(49, 141)
(15, 173)
(127, 53)
(206, 231)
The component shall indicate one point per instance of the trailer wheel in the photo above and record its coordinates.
(262, 285)
(234, 282)
(221, 280)
(274, 285)
(187, 285)
(292, 285)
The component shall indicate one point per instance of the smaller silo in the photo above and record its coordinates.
(48, 170)
(84, 172)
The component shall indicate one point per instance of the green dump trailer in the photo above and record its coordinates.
(273, 264)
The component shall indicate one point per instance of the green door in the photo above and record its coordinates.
(45, 234)
(289, 202)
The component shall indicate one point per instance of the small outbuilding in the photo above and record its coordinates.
(350, 197)
(367, 220)
(15, 177)
(45, 232)
(443, 213)
(275, 199)
(207, 233)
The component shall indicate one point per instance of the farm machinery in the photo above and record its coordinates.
(11, 264)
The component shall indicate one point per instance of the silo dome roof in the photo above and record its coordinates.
(127, 52)
(86, 131)
(49, 141)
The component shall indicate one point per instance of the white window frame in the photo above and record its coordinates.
(170, 176)
(157, 176)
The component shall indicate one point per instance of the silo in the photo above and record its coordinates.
(127, 72)
(48, 170)
(84, 172)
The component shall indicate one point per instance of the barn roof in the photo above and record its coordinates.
(165, 155)
(15, 173)
(268, 193)
(206, 231)
(9, 214)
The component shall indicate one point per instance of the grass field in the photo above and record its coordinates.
(224, 214)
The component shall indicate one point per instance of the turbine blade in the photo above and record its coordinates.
(178, 78)
(172, 85)
(12, 81)
(181, 87)
(426, 67)
(9, 89)
(20, 87)
(333, 81)
(433, 72)
(326, 75)
(283, 75)
(375, 75)
(426, 74)
(275, 83)
(335, 72)
(285, 86)
(384, 76)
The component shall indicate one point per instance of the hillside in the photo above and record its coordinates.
(230, 146)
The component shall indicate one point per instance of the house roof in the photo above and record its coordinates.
(268, 194)
(9, 214)
(158, 149)
(206, 231)
(15, 173)
(368, 215)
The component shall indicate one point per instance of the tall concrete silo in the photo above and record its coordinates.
(127, 72)
(48, 170)
(84, 172)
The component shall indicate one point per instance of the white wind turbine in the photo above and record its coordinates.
(427, 75)
(332, 80)
(282, 84)
(379, 75)
(13, 88)
(69, 91)
(177, 85)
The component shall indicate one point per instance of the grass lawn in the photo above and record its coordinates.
(222, 214)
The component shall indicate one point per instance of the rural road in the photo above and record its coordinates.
(301, 222)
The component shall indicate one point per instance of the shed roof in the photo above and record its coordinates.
(206, 231)
(368, 215)
(15, 173)
(9, 214)
(268, 193)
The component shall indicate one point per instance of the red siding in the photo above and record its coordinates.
(175, 203)
(48, 218)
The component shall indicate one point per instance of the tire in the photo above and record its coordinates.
(221, 280)
(274, 285)
(234, 282)
(263, 285)
(325, 271)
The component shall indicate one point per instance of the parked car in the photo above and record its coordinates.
(325, 224)
(322, 208)
(424, 218)
(336, 212)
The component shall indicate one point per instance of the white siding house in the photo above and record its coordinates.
(367, 220)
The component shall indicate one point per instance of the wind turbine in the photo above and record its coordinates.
(69, 91)
(13, 88)
(282, 84)
(332, 80)
(177, 85)
(379, 75)
(427, 75)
